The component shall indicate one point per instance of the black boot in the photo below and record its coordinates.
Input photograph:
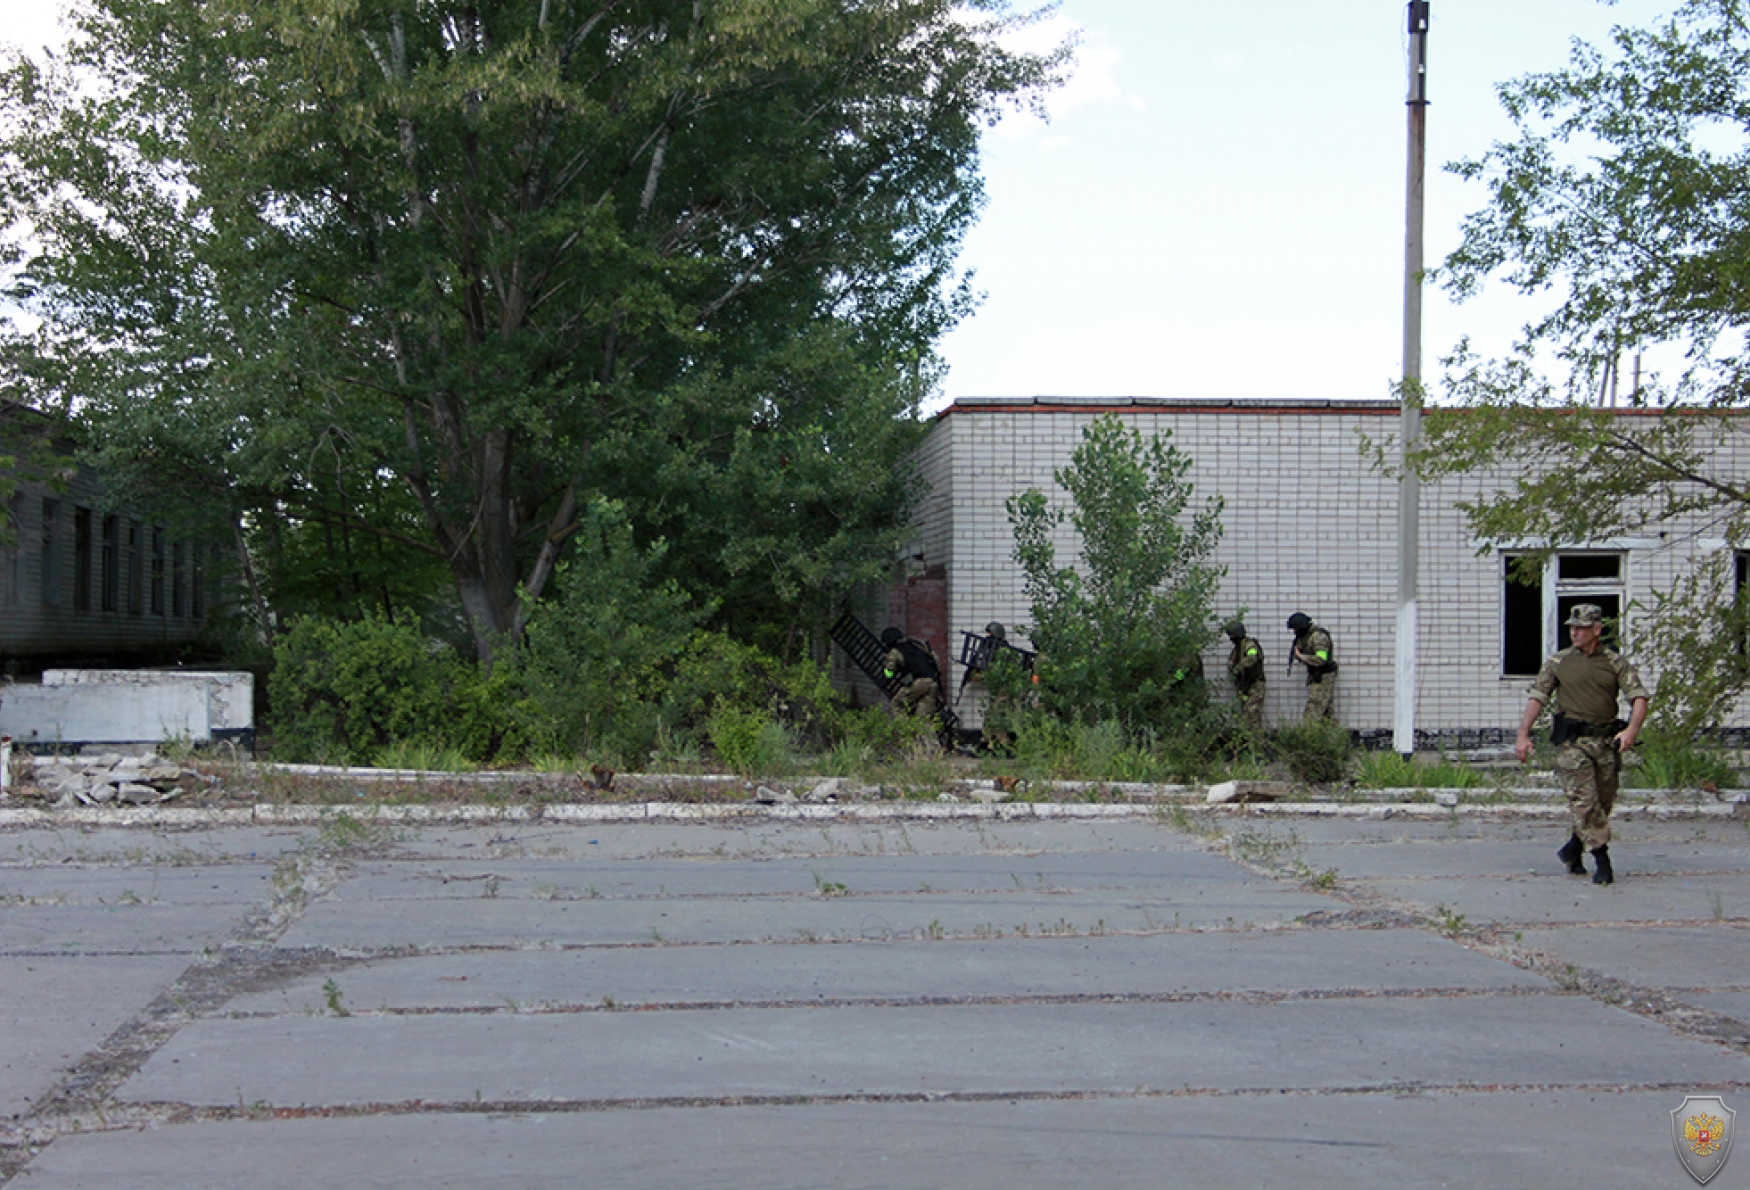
(1570, 854)
(1603, 874)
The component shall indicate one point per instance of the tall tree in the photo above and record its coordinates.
(1119, 633)
(503, 255)
(1624, 196)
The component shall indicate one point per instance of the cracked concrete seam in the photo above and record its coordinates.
(81, 1102)
(190, 817)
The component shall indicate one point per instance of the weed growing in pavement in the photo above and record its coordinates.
(1265, 848)
(331, 996)
(1181, 819)
(1449, 921)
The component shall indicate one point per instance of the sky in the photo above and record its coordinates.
(1215, 208)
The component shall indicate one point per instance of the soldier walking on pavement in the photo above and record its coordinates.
(1588, 680)
(1313, 649)
(1245, 665)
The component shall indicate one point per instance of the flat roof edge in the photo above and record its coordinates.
(1173, 404)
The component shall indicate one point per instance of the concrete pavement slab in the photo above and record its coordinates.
(1733, 1004)
(1710, 957)
(764, 838)
(579, 879)
(1430, 858)
(153, 884)
(54, 1010)
(143, 846)
(1563, 899)
(492, 921)
(1271, 1142)
(1161, 965)
(979, 1049)
(115, 929)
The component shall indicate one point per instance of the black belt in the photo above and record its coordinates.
(1594, 729)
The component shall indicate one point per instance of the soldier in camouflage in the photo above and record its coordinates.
(1313, 649)
(1588, 680)
(1245, 665)
(911, 663)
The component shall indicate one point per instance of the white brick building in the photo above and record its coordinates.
(1309, 525)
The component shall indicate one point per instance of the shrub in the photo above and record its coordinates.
(749, 742)
(341, 692)
(1317, 753)
(1677, 761)
(598, 652)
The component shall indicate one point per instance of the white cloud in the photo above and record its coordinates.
(32, 26)
(1093, 75)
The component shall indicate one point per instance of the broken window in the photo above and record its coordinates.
(1535, 606)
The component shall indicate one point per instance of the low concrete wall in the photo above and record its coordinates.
(74, 707)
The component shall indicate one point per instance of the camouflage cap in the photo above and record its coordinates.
(1584, 613)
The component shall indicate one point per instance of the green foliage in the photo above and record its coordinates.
(415, 283)
(1388, 770)
(1622, 201)
(422, 757)
(1692, 637)
(600, 653)
(1317, 753)
(749, 741)
(872, 738)
(1119, 638)
(1674, 760)
(344, 692)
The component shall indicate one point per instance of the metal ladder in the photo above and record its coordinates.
(866, 651)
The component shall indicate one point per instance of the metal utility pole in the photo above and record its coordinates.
(1410, 396)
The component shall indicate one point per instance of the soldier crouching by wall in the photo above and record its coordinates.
(914, 665)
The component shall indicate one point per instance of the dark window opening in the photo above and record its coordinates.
(82, 543)
(1589, 567)
(157, 572)
(1522, 624)
(136, 569)
(51, 554)
(109, 579)
(15, 552)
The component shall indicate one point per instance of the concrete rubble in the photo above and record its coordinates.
(98, 778)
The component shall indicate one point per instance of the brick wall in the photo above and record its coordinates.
(1309, 526)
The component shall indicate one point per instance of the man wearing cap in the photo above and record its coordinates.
(1245, 665)
(1313, 649)
(1589, 680)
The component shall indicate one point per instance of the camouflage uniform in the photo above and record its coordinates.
(1321, 689)
(917, 692)
(1588, 688)
(1245, 665)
